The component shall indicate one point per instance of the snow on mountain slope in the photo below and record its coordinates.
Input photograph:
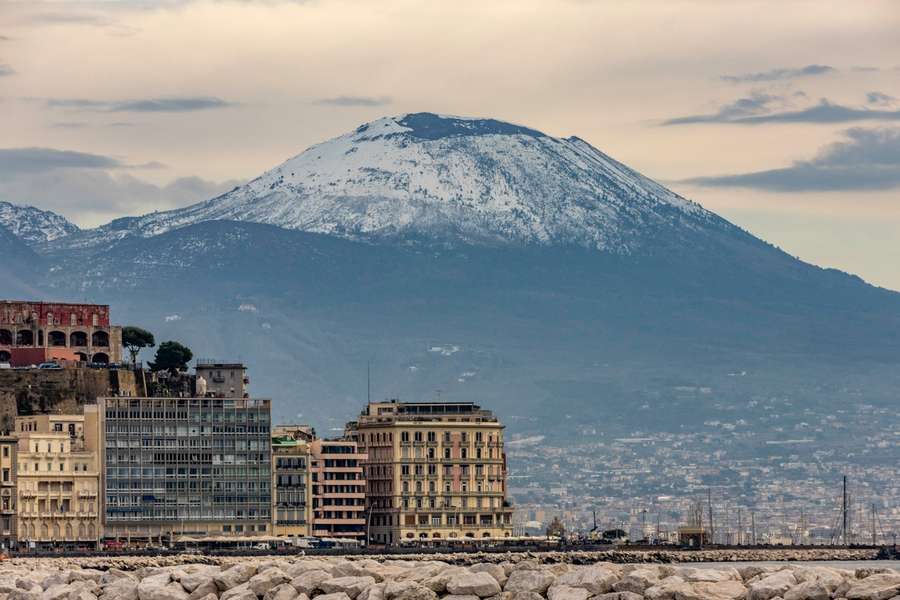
(32, 225)
(445, 178)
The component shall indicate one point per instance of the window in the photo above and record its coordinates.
(432, 436)
(5, 451)
(418, 436)
(5, 474)
(404, 436)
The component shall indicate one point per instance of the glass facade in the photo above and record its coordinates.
(188, 460)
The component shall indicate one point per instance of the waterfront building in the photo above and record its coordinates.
(338, 489)
(434, 471)
(8, 493)
(185, 469)
(291, 484)
(36, 332)
(222, 379)
(57, 481)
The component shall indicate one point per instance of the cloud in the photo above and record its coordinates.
(355, 101)
(757, 102)
(869, 159)
(152, 105)
(33, 160)
(880, 99)
(91, 197)
(823, 112)
(6, 70)
(779, 74)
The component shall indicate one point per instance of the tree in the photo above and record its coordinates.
(172, 357)
(556, 528)
(134, 339)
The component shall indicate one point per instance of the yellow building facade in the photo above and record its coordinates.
(291, 486)
(58, 481)
(434, 472)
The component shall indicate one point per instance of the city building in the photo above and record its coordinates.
(8, 492)
(37, 332)
(338, 489)
(221, 379)
(58, 481)
(291, 484)
(185, 469)
(433, 471)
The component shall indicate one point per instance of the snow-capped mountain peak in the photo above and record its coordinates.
(442, 178)
(33, 225)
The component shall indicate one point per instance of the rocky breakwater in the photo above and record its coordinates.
(367, 579)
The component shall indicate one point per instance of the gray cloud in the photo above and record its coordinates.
(6, 70)
(779, 74)
(880, 99)
(823, 112)
(174, 104)
(355, 101)
(32, 160)
(758, 102)
(92, 197)
(869, 159)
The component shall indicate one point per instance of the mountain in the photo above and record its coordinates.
(448, 179)
(19, 266)
(491, 262)
(33, 225)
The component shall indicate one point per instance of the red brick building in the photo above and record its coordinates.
(34, 332)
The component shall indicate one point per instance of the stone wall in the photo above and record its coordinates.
(33, 391)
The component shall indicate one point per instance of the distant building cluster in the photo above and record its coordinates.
(132, 458)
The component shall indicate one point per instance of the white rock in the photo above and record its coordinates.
(526, 580)
(772, 585)
(478, 584)
(284, 591)
(308, 582)
(234, 576)
(352, 586)
(264, 581)
(598, 579)
(566, 592)
(494, 570)
(881, 586)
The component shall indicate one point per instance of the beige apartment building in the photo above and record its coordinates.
(291, 483)
(8, 494)
(434, 471)
(58, 481)
(338, 489)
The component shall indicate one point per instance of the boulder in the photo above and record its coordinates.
(60, 591)
(526, 580)
(264, 581)
(637, 580)
(772, 585)
(352, 586)
(120, 589)
(373, 592)
(154, 591)
(191, 581)
(335, 596)
(308, 582)
(598, 578)
(494, 570)
(204, 589)
(284, 591)
(234, 576)
(407, 590)
(809, 590)
(727, 589)
(881, 586)
(669, 588)
(479, 584)
(304, 566)
(619, 596)
(566, 592)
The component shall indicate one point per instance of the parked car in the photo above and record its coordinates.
(49, 365)
(5, 365)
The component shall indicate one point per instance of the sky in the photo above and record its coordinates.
(783, 117)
